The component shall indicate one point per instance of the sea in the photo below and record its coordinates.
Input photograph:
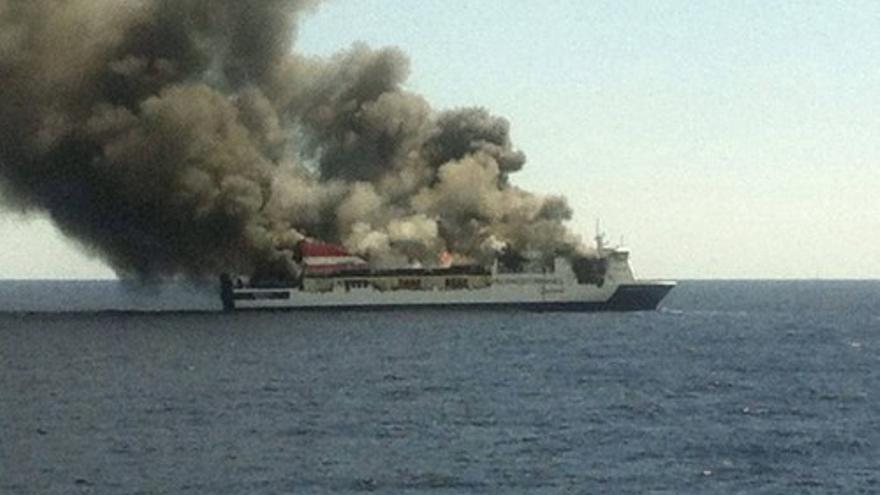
(746, 387)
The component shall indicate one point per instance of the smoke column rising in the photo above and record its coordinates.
(187, 137)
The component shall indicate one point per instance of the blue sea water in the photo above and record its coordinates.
(732, 387)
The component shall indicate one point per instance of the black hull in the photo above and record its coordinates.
(638, 297)
(634, 297)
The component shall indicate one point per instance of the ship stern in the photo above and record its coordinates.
(227, 295)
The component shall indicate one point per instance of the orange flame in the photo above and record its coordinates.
(445, 259)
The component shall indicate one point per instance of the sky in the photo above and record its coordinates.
(717, 139)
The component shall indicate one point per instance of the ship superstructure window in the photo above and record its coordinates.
(356, 284)
(410, 283)
(457, 283)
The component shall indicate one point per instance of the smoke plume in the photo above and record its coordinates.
(187, 137)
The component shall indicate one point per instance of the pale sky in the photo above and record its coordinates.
(722, 139)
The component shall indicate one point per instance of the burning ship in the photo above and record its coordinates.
(333, 278)
(190, 138)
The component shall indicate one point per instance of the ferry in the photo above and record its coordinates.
(334, 279)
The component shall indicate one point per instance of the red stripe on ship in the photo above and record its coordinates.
(313, 249)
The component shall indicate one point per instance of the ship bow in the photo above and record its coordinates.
(640, 296)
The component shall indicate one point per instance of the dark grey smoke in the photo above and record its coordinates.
(186, 137)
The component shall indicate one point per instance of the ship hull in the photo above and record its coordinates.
(644, 296)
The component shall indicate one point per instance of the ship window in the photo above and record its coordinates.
(456, 283)
(410, 283)
(356, 284)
